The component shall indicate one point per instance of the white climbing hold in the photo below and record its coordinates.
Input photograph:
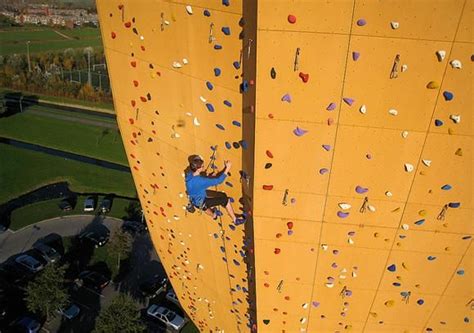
(324, 247)
(441, 54)
(199, 266)
(303, 320)
(176, 64)
(426, 162)
(181, 194)
(409, 167)
(344, 205)
(363, 109)
(342, 277)
(202, 99)
(404, 68)
(388, 194)
(350, 241)
(393, 112)
(185, 61)
(404, 134)
(189, 114)
(329, 284)
(354, 274)
(405, 226)
(142, 38)
(371, 208)
(305, 305)
(167, 22)
(176, 217)
(196, 121)
(189, 9)
(395, 25)
(456, 118)
(456, 64)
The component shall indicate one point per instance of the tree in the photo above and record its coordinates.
(121, 315)
(46, 293)
(120, 245)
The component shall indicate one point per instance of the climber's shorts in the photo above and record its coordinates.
(214, 198)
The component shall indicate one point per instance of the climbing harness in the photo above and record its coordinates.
(442, 215)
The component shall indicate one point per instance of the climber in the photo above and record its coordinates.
(197, 184)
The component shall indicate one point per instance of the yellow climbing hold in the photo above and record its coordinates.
(458, 152)
(422, 212)
(432, 85)
(404, 266)
(389, 303)
(450, 131)
(373, 314)
(396, 210)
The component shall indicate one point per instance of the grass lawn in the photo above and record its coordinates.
(48, 209)
(66, 135)
(45, 39)
(22, 171)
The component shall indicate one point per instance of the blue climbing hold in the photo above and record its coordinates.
(392, 268)
(236, 64)
(227, 103)
(460, 272)
(243, 144)
(219, 126)
(446, 187)
(217, 71)
(217, 47)
(454, 204)
(420, 222)
(448, 95)
(228, 145)
(226, 2)
(420, 302)
(209, 85)
(210, 107)
(206, 13)
(396, 284)
(226, 31)
(222, 249)
(431, 258)
(244, 86)
(236, 123)
(438, 122)
(231, 200)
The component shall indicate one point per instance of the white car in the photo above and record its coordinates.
(166, 316)
(89, 204)
(29, 262)
(171, 296)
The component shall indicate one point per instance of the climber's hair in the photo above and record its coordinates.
(195, 163)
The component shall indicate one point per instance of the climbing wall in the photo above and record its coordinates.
(349, 125)
(363, 206)
(175, 72)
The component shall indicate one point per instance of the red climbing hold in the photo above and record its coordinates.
(270, 115)
(128, 24)
(132, 156)
(142, 47)
(133, 102)
(135, 83)
(277, 250)
(304, 77)
(278, 235)
(269, 154)
(120, 7)
(292, 19)
(133, 63)
(131, 121)
(268, 187)
(113, 34)
(290, 225)
(143, 99)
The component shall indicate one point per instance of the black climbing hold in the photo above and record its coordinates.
(148, 96)
(135, 31)
(273, 73)
(241, 22)
(268, 165)
(206, 13)
(236, 145)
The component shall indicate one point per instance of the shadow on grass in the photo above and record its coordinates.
(12, 103)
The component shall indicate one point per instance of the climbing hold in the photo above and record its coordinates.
(331, 106)
(304, 77)
(226, 31)
(438, 122)
(388, 193)
(266, 321)
(235, 145)
(315, 304)
(217, 71)
(210, 107)
(219, 126)
(267, 187)
(460, 272)
(189, 10)
(209, 85)
(289, 225)
(363, 109)
(286, 98)
(206, 13)
(269, 154)
(394, 25)
(455, 118)
(392, 268)
(458, 152)
(268, 165)
(440, 54)
(228, 145)
(128, 24)
(456, 64)
(243, 144)
(326, 147)
(361, 22)
(323, 171)
(273, 73)
(236, 123)
(176, 64)
(299, 131)
(330, 121)
(409, 167)
(454, 205)
(349, 101)
(446, 187)
(420, 222)
(426, 162)
(244, 86)
(432, 85)
(361, 190)
(431, 258)
(355, 55)
(202, 99)
(342, 215)
(113, 35)
(344, 206)
(236, 64)
(405, 226)
(276, 251)
(217, 47)
(196, 121)
(448, 95)
(292, 19)
(393, 112)
(227, 103)
(420, 301)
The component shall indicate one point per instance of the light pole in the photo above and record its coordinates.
(28, 54)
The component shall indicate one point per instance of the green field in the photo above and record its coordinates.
(22, 171)
(13, 40)
(36, 125)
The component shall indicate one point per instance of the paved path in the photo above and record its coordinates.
(12, 243)
(107, 124)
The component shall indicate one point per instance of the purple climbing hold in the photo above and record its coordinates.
(210, 107)
(342, 215)
(361, 190)
(438, 122)
(334, 265)
(219, 126)
(207, 13)
(446, 187)
(331, 106)
(355, 55)
(323, 171)
(349, 101)
(392, 268)
(226, 2)
(361, 22)
(454, 204)
(226, 31)
(209, 85)
(315, 304)
(236, 64)
(326, 147)
(299, 131)
(420, 222)
(217, 47)
(396, 284)
(217, 71)
(236, 123)
(286, 98)
(290, 232)
(448, 95)
(227, 103)
(420, 302)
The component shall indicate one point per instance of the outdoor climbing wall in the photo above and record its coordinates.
(363, 203)
(175, 69)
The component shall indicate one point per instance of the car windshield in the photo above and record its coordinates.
(170, 315)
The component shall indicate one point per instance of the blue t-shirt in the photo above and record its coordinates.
(196, 186)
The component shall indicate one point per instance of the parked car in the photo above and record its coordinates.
(3, 228)
(93, 280)
(98, 239)
(15, 273)
(166, 316)
(89, 204)
(153, 286)
(171, 296)
(48, 253)
(65, 205)
(105, 205)
(134, 227)
(30, 263)
(25, 324)
(70, 312)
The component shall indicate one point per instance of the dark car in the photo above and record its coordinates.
(134, 227)
(25, 324)
(93, 280)
(15, 273)
(49, 253)
(38, 255)
(3, 228)
(105, 205)
(65, 205)
(98, 239)
(154, 286)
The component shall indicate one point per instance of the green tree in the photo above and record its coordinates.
(121, 315)
(120, 246)
(46, 293)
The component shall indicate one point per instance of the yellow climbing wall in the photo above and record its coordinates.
(349, 125)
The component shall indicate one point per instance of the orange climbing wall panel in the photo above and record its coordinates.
(355, 130)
